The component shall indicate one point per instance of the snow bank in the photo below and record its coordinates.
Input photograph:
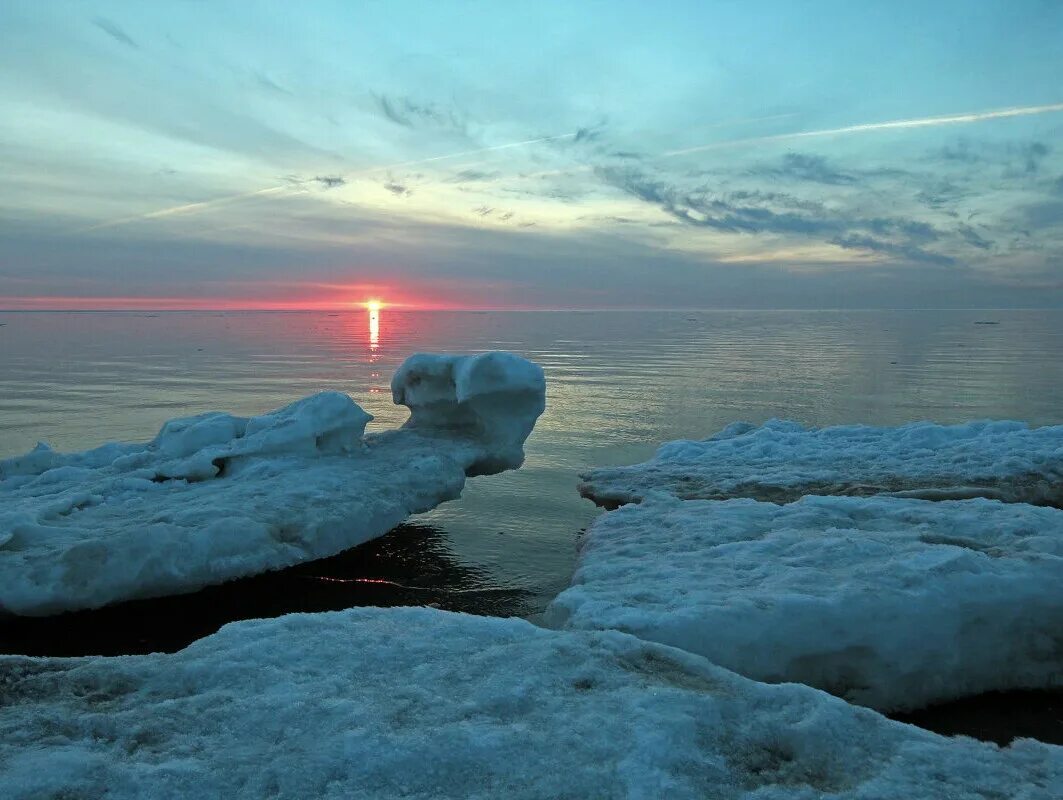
(418, 703)
(890, 603)
(216, 497)
(781, 461)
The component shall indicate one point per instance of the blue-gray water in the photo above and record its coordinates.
(618, 384)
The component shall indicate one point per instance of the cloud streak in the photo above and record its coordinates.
(872, 127)
(186, 208)
(115, 32)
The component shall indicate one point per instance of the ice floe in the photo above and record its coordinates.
(891, 603)
(494, 398)
(215, 497)
(781, 461)
(419, 703)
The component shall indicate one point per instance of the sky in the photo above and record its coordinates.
(543, 154)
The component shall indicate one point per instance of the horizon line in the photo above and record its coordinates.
(361, 309)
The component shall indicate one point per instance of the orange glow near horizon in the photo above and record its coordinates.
(314, 299)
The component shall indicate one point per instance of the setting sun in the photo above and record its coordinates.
(373, 306)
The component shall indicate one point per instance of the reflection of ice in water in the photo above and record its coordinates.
(374, 327)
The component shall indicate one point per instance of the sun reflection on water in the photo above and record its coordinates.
(373, 307)
(374, 328)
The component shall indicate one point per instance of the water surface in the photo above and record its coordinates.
(618, 384)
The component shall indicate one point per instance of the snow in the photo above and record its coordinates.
(216, 497)
(890, 603)
(419, 703)
(781, 461)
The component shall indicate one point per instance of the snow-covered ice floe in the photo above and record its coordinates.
(215, 497)
(419, 703)
(781, 461)
(890, 603)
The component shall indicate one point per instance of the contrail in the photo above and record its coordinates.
(183, 209)
(924, 122)
(193, 207)
(474, 152)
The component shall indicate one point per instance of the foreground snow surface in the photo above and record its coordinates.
(890, 603)
(421, 703)
(781, 461)
(216, 497)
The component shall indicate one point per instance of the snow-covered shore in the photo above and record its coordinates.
(216, 497)
(421, 703)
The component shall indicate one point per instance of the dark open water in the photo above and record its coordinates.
(618, 384)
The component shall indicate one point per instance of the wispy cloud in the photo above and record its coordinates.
(115, 32)
(397, 189)
(188, 208)
(806, 167)
(759, 212)
(1016, 158)
(414, 114)
(329, 181)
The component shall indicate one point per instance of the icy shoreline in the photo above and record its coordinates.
(215, 497)
(429, 704)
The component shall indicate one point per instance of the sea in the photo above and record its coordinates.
(618, 384)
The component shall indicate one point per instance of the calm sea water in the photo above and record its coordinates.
(619, 383)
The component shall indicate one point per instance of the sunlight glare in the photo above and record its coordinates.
(374, 306)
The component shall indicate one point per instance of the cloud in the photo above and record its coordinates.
(940, 193)
(734, 212)
(913, 230)
(414, 114)
(905, 251)
(397, 189)
(115, 32)
(471, 176)
(972, 237)
(1017, 158)
(757, 212)
(329, 181)
(1043, 215)
(806, 167)
(268, 83)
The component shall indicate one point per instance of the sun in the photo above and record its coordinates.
(373, 306)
